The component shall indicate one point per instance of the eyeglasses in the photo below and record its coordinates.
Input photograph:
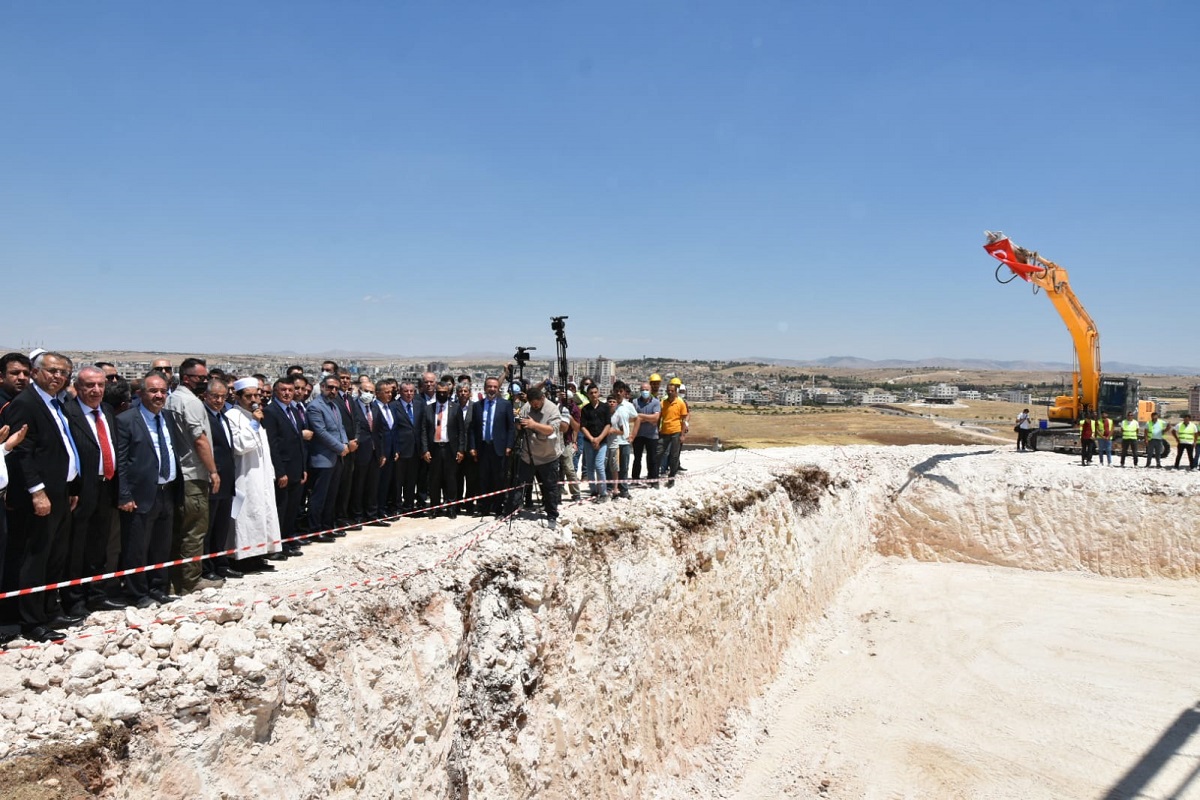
(332, 386)
(58, 373)
(112, 378)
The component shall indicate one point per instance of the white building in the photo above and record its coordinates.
(1018, 397)
(943, 392)
(971, 394)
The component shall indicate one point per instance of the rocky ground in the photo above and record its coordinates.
(618, 655)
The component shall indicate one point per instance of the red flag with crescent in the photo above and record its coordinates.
(1002, 250)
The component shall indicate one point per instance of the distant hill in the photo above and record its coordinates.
(853, 362)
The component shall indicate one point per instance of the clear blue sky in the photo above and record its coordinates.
(698, 179)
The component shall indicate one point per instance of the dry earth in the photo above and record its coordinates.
(825, 621)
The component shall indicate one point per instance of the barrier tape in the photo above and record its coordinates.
(453, 555)
(261, 545)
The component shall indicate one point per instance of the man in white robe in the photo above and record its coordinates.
(255, 518)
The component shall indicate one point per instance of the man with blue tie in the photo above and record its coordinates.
(148, 489)
(408, 445)
(44, 485)
(493, 433)
(285, 434)
(384, 428)
(329, 443)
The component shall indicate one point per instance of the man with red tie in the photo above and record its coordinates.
(93, 426)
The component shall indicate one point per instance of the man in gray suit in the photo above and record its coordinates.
(328, 445)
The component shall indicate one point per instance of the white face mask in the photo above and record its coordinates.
(367, 397)
(645, 394)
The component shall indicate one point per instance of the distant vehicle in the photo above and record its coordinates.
(1091, 391)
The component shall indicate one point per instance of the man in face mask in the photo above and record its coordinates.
(199, 470)
(443, 446)
(648, 408)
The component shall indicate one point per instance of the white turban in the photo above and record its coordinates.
(245, 383)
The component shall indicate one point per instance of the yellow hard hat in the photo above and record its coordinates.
(656, 377)
(676, 382)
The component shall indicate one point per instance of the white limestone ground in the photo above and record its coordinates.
(619, 659)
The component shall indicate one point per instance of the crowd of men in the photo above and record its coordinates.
(235, 472)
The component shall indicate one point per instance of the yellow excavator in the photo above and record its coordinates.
(1090, 391)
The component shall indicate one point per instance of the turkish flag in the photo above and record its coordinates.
(1002, 250)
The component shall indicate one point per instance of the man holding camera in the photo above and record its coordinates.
(540, 444)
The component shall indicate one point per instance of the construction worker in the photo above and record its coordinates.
(1185, 440)
(1155, 445)
(1129, 437)
(1087, 441)
(1103, 438)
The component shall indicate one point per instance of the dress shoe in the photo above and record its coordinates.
(357, 526)
(161, 597)
(229, 573)
(280, 556)
(211, 575)
(337, 534)
(378, 523)
(145, 602)
(293, 551)
(66, 621)
(105, 604)
(324, 537)
(41, 633)
(453, 515)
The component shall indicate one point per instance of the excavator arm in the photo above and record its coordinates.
(1053, 279)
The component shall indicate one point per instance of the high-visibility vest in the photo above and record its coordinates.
(1129, 429)
(1154, 430)
(1104, 429)
(1087, 428)
(1186, 432)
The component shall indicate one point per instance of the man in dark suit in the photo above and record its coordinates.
(220, 505)
(493, 432)
(349, 462)
(468, 469)
(94, 429)
(385, 420)
(43, 488)
(409, 414)
(325, 450)
(15, 370)
(443, 445)
(364, 480)
(285, 435)
(149, 489)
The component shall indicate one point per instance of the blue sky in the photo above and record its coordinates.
(703, 180)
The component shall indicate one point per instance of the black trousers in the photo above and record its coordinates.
(88, 552)
(493, 476)
(467, 478)
(1088, 449)
(41, 549)
(287, 504)
(146, 539)
(345, 485)
(406, 473)
(1126, 446)
(387, 499)
(443, 475)
(644, 444)
(323, 500)
(1190, 449)
(364, 485)
(220, 531)
(547, 480)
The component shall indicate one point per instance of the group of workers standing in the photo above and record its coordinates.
(1097, 434)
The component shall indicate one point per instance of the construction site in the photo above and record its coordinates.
(937, 621)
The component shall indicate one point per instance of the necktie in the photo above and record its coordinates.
(437, 433)
(487, 419)
(408, 408)
(106, 458)
(73, 467)
(164, 456)
(370, 420)
(291, 412)
(299, 409)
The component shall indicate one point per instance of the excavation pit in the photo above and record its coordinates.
(778, 624)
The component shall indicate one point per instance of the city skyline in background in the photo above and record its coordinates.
(788, 181)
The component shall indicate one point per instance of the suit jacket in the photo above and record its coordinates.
(329, 435)
(348, 423)
(289, 451)
(222, 454)
(383, 436)
(408, 435)
(42, 457)
(89, 450)
(504, 428)
(137, 459)
(456, 432)
(363, 432)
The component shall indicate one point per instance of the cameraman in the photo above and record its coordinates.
(540, 444)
